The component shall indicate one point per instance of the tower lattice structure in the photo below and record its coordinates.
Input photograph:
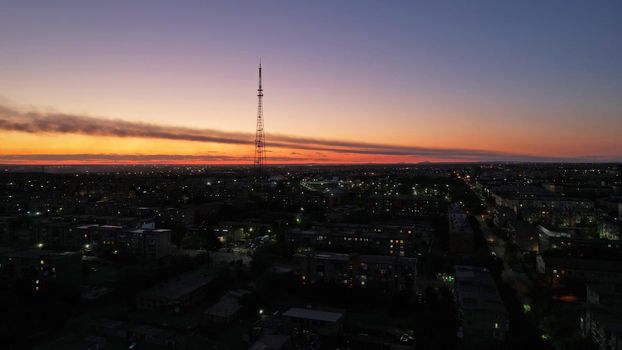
(260, 137)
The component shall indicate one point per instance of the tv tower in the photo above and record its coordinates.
(260, 137)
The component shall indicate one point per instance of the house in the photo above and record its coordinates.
(176, 294)
(325, 323)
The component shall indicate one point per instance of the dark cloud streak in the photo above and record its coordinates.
(38, 123)
(139, 158)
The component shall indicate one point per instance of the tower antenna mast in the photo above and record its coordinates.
(260, 137)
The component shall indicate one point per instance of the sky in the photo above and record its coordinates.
(344, 81)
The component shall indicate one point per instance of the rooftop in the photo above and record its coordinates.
(332, 256)
(476, 290)
(316, 315)
(226, 307)
(270, 342)
(34, 253)
(180, 286)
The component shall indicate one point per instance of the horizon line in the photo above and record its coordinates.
(250, 165)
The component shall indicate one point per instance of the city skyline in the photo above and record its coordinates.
(346, 83)
(288, 175)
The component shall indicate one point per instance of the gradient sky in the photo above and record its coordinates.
(522, 80)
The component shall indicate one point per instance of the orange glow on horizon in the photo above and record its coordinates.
(71, 149)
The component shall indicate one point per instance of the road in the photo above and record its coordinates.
(518, 280)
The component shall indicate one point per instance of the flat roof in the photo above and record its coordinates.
(226, 307)
(270, 342)
(386, 259)
(84, 227)
(110, 226)
(550, 233)
(179, 286)
(316, 315)
(331, 256)
(305, 232)
(35, 253)
(476, 289)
